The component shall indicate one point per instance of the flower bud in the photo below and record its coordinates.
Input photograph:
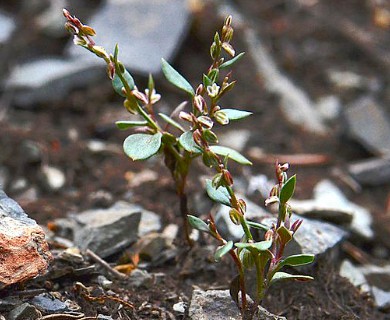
(197, 136)
(213, 90)
(210, 136)
(216, 182)
(214, 51)
(227, 177)
(221, 117)
(296, 225)
(79, 41)
(131, 105)
(209, 159)
(242, 205)
(87, 30)
(271, 200)
(205, 122)
(199, 103)
(140, 96)
(235, 215)
(199, 90)
(229, 49)
(269, 235)
(185, 116)
(100, 52)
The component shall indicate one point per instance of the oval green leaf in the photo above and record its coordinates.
(176, 78)
(221, 251)
(285, 235)
(141, 146)
(171, 121)
(234, 114)
(220, 195)
(286, 276)
(197, 223)
(118, 85)
(297, 260)
(123, 125)
(231, 61)
(288, 188)
(258, 246)
(187, 142)
(231, 154)
(257, 225)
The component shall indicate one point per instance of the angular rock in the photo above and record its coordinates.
(48, 304)
(218, 305)
(140, 278)
(24, 311)
(330, 202)
(51, 79)
(369, 125)
(150, 222)
(24, 252)
(107, 231)
(53, 179)
(146, 31)
(354, 274)
(378, 277)
(371, 172)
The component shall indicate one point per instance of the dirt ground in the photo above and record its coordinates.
(62, 132)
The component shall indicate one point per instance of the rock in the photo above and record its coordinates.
(354, 275)
(351, 80)
(329, 107)
(24, 311)
(7, 26)
(180, 307)
(368, 124)
(103, 317)
(235, 139)
(50, 80)
(378, 277)
(150, 222)
(24, 250)
(330, 202)
(218, 305)
(259, 183)
(51, 20)
(146, 31)
(4, 177)
(48, 304)
(371, 172)
(152, 245)
(140, 278)
(107, 231)
(53, 179)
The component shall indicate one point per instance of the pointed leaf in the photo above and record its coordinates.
(287, 190)
(141, 146)
(221, 251)
(234, 114)
(258, 246)
(207, 81)
(118, 85)
(257, 225)
(187, 142)
(197, 223)
(286, 276)
(285, 235)
(220, 195)
(123, 125)
(231, 61)
(297, 260)
(176, 78)
(172, 122)
(231, 154)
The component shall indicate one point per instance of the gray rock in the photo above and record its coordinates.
(218, 305)
(7, 26)
(51, 79)
(53, 179)
(150, 222)
(51, 20)
(103, 317)
(378, 277)
(48, 304)
(146, 31)
(140, 278)
(107, 231)
(372, 172)
(354, 274)
(235, 139)
(369, 125)
(24, 311)
(329, 200)
(329, 107)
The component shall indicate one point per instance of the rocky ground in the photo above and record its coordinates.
(316, 77)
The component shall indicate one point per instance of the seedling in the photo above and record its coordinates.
(180, 139)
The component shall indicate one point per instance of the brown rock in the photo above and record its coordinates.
(24, 252)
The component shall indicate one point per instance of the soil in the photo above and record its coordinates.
(63, 130)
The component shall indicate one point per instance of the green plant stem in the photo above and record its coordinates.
(260, 280)
(241, 279)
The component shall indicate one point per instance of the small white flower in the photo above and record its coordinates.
(154, 97)
(213, 90)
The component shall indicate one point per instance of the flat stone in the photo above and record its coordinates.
(140, 278)
(48, 304)
(146, 31)
(24, 252)
(355, 275)
(369, 125)
(7, 26)
(107, 231)
(378, 277)
(330, 202)
(51, 79)
(372, 172)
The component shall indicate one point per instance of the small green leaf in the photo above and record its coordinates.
(187, 142)
(118, 85)
(286, 276)
(234, 114)
(197, 223)
(258, 246)
(285, 235)
(257, 225)
(221, 251)
(220, 195)
(246, 258)
(207, 81)
(123, 125)
(141, 146)
(297, 260)
(172, 122)
(287, 190)
(231, 154)
(176, 78)
(231, 61)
